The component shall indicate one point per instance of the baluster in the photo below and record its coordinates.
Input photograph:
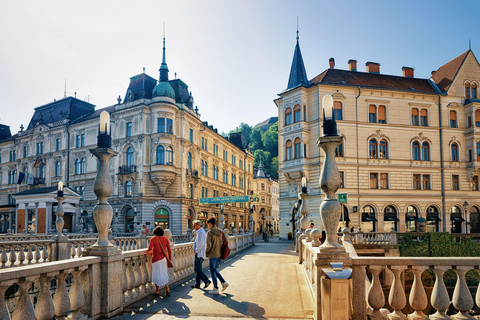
(21, 255)
(144, 271)
(440, 299)
(79, 249)
(462, 299)
(130, 247)
(61, 301)
(73, 251)
(3, 307)
(376, 298)
(418, 297)
(23, 308)
(44, 309)
(13, 256)
(45, 252)
(37, 255)
(138, 278)
(4, 257)
(130, 278)
(76, 296)
(396, 297)
(124, 245)
(29, 254)
(125, 281)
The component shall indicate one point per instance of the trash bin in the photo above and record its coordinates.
(336, 292)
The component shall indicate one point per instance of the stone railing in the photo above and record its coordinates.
(376, 238)
(21, 253)
(89, 285)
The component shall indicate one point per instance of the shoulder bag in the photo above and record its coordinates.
(169, 262)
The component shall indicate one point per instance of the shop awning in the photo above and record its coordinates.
(433, 218)
(369, 219)
(458, 219)
(387, 218)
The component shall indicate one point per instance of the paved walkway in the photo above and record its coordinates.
(266, 282)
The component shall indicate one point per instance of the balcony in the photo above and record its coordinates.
(192, 173)
(163, 176)
(127, 169)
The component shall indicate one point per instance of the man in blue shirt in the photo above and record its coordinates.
(199, 247)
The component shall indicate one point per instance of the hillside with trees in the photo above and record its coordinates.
(263, 145)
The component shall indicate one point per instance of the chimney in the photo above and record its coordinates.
(332, 63)
(373, 67)
(352, 65)
(433, 72)
(408, 72)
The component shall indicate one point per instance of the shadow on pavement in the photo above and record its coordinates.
(245, 308)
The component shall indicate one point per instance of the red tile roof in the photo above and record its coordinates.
(443, 77)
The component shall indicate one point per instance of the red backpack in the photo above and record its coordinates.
(225, 251)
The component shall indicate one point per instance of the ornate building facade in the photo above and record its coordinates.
(266, 209)
(168, 159)
(410, 150)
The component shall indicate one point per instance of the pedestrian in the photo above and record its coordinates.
(213, 253)
(352, 229)
(311, 225)
(199, 247)
(160, 246)
(145, 229)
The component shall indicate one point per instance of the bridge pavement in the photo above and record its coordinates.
(266, 282)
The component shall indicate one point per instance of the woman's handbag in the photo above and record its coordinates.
(169, 262)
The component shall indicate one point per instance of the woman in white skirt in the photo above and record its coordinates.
(159, 261)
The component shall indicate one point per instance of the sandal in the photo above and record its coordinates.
(167, 293)
(157, 293)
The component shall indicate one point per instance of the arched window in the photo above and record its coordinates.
(41, 170)
(161, 218)
(432, 219)
(457, 219)
(425, 151)
(372, 148)
(372, 113)
(411, 218)
(77, 166)
(82, 166)
(288, 116)
(129, 220)
(478, 151)
(368, 219)
(130, 161)
(474, 220)
(202, 167)
(57, 169)
(170, 156)
(288, 150)
(390, 219)
(160, 155)
(206, 169)
(423, 118)
(415, 150)
(474, 90)
(297, 113)
(297, 147)
(414, 117)
(454, 149)
(190, 190)
(383, 152)
(339, 150)
(189, 160)
(128, 189)
(477, 118)
(337, 110)
(382, 114)
(453, 119)
(467, 90)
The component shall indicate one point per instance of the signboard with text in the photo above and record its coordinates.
(342, 197)
(215, 200)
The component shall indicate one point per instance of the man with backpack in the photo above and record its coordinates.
(213, 252)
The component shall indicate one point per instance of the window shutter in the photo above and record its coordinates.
(423, 113)
(337, 105)
(381, 113)
(453, 115)
(371, 108)
(414, 112)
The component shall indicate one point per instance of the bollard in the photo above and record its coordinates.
(336, 293)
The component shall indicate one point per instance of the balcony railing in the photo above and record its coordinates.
(191, 172)
(127, 169)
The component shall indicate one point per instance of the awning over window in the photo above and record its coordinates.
(458, 219)
(411, 219)
(390, 218)
(369, 219)
(433, 218)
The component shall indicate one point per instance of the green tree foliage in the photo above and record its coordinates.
(256, 142)
(270, 140)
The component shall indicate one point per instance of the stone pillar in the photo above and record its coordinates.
(36, 217)
(16, 219)
(26, 218)
(48, 216)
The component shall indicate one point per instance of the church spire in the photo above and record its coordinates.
(163, 67)
(298, 75)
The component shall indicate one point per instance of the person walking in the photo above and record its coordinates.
(159, 247)
(146, 230)
(199, 247)
(213, 253)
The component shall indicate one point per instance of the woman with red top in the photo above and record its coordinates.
(159, 262)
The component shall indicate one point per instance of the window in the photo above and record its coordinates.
(80, 190)
(80, 141)
(383, 180)
(342, 179)
(240, 164)
(288, 116)
(202, 168)
(425, 151)
(160, 155)
(411, 218)
(339, 150)
(57, 168)
(390, 219)
(414, 117)
(474, 183)
(57, 144)
(11, 176)
(13, 155)
(426, 182)
(128, 189)
(190, 189)
(453, 119)
(39, 147)
(297, 147)
(129, 129)
(477, 118)
(478, 151)
(80, 166)
(383, 149)
(423, 118)
(215, 150)
(169, 126)
(469, 122)
(474, 90)
(161, 125)
(416, 182)
(169, 154)
(41, 169)
(288, 150)
(454, 150)
(372, 148)
(382, 114)
(372, 113)
(368, 219)
(467, 90)
(77, 166)
(130, 161)
(337, 110)
(373, 180)
(296, 113)
(189, 161)
(470, 157)
(190, 135)
(455, 182)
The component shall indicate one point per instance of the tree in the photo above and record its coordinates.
(274, 169)
(256, 142)
(270, 142)
(263, 156)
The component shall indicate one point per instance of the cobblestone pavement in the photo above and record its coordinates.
(266, 282)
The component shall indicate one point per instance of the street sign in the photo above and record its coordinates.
(224, 200)
(255, 198)
(342, 197)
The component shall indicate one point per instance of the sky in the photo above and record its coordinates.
(235, 56)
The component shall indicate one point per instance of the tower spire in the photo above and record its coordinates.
(298, 75)
(297, 29)
(163, 67)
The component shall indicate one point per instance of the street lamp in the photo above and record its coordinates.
(59, 223)
(465, 206)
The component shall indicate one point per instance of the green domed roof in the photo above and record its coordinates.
(163, 89)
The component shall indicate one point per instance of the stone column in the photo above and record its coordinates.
(36, 217)
(26, 218)
(48, 216)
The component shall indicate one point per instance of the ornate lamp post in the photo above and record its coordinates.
(103, 186)
(251, 218)
(60, 213)
(467, 221)
(304, 206)
(330, 208)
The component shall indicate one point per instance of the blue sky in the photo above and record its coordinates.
(234, 55)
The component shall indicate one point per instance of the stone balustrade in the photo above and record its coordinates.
(376, 238)
(78, 286)
(21, 253)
